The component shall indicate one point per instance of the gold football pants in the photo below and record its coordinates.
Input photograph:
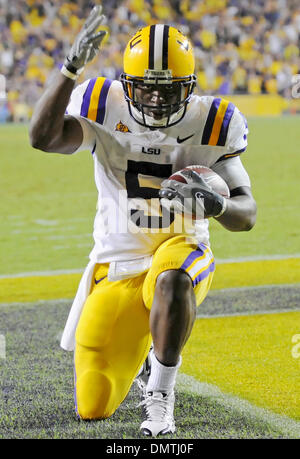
(113, 336)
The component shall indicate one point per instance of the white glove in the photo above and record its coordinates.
(86, 44)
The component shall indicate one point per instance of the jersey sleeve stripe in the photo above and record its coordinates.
(231, 155)
(102, 101)
(96, 110)
(87, 98)
(225, 124)
(94, 99)
(216, 129)
(217, 123)
(210, 121)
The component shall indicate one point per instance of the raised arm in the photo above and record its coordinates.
(50, 129)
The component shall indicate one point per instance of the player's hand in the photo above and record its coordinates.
(197, 200)
(86, 44)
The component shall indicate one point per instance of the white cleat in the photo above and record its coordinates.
(158, 410)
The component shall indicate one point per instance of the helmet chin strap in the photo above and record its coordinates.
(151, 122)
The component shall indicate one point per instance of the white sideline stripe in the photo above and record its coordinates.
(289, 427)
(221, 261)
(218, 261)
(246, 313)
(217, 291)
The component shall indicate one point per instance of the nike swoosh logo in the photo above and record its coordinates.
(199, 195)
(99, 280)
(184, 139)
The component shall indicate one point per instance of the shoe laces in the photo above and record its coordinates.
(158, 405)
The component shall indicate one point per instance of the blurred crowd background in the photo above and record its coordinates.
(241, 47)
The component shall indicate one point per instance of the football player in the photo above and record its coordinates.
(147, 274)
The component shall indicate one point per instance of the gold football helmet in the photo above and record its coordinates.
(158, 58)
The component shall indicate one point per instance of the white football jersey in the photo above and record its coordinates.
(131, 161)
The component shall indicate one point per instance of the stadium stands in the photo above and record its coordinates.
(241, 47)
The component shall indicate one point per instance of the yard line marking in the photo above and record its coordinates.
(42, 222)
(289, 427)
(56, 236)
(49, 229)
(71, 236)
(42, 273)
(61, 302)
(63, 247)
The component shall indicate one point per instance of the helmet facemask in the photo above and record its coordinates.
(174, 93)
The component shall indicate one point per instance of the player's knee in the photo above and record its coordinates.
(93, 396)
(175, 286)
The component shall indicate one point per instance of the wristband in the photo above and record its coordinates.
(68, 74)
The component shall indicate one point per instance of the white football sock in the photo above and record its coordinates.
(162, 378)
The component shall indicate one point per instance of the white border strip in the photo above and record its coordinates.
(289, 427)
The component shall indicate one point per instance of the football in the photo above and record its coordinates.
(214, 180)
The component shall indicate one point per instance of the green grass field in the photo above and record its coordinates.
(239, 378)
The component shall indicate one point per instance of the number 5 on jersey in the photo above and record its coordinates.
(134, 190)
